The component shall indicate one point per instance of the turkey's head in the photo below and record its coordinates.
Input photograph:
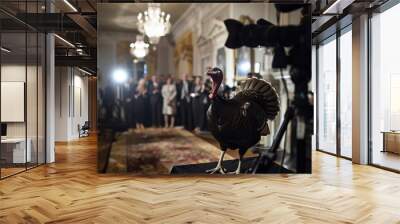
(217, 76)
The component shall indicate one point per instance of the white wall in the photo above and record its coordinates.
(16, 73)
(33, 126)
(254, 10)
(81, 108)
(61, 103)
(71, 96)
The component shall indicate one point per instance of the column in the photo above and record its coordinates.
(360, 90)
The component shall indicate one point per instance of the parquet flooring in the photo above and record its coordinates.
(70, 191)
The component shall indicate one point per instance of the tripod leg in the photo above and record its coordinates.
(289, 114)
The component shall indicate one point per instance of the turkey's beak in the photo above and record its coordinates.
(210, 74)
(209, 71)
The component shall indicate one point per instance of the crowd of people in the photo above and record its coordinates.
(162, 101)
(159, 101)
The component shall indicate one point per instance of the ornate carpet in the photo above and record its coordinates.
(157, 150)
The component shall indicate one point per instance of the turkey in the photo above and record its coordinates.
(239, 122)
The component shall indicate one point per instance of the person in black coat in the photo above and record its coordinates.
(154, 90)
(185, 87)
(141, 101)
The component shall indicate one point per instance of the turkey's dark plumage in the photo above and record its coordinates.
(239, 123)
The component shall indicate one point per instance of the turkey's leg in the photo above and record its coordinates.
(239, 164)
(219, 167)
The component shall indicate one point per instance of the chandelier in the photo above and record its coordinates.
(154, 23)
(139, 49)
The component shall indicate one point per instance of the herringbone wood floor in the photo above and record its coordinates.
(70, 191)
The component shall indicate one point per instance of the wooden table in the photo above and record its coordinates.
(391, 141)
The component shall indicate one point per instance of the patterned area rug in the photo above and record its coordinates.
(157, 150)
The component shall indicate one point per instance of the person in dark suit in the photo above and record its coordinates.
(154, 91)
(185, 105)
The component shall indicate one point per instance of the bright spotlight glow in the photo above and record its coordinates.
(120, 76)
(257, 67)
(245, 67)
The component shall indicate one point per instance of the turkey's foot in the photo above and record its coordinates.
(218, 169)
(235, 172)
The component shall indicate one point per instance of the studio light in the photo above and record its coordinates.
(70, 5)
(139, 49)
(154, 23)
(120, 76)
(245, 66)
(79, 51)
(84, 71)
(257, 67)
(337, 7)
(64, 40)
(5, 50)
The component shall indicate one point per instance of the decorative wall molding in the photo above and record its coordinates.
(217, 28)
(183, 23)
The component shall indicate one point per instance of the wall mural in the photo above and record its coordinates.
(156, 124)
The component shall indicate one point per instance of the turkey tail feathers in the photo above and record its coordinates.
(261, 92)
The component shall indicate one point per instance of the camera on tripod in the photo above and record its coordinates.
(294, 38)
(292, 49)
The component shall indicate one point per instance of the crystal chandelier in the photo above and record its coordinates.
(139, 49)
(154, 23)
